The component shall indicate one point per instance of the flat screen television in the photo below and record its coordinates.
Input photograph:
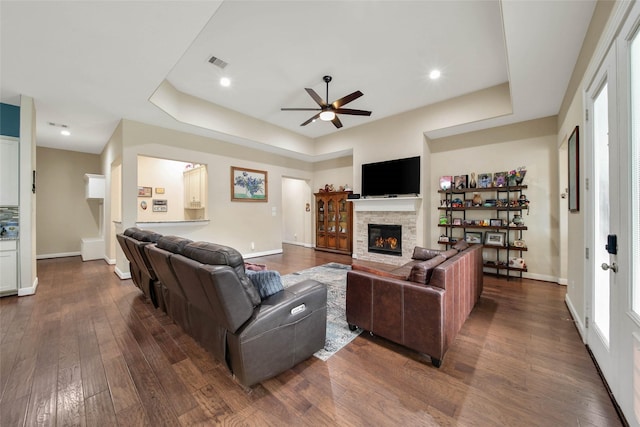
(391, 178)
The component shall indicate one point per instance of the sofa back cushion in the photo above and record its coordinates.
(173, 244)
(421, 272)
(461, 245)
(214, 254)
(449, 253)
(424, 254)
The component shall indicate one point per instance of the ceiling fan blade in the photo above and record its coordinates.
(336, 122)
(300, 109)
(312, 93)
(346, 99)
(311, 119)
(352, 112)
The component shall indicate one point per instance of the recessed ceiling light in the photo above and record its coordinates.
(225, 82)
(65, 132)
(434, 74)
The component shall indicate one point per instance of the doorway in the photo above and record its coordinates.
(296, 212)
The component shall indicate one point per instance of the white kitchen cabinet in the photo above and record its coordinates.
(195, 188)
(9, 170)
(8, 267)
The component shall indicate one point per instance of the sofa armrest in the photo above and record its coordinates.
(286, 307)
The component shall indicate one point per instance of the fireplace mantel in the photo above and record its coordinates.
(386, 204)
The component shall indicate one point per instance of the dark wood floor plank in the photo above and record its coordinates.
(89, 349)
(99, 410)
(70, 398)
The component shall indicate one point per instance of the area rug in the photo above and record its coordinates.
(334, 275)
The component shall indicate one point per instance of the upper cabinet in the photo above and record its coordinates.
(94, 186)
(9, 168)
(195, 188)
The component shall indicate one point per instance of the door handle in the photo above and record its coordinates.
(613, 266)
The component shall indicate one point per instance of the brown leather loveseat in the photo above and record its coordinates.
(421, 305)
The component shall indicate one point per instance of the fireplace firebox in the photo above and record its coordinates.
(385, 239)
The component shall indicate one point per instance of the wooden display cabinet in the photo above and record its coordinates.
(334, 222)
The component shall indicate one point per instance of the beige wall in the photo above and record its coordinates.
(531, 144)
(64, 216)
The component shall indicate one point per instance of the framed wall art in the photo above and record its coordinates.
(574, 171)
(249, 185)
(494, 238)
(144, 191)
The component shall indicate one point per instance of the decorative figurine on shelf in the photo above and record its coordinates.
(443, 220)
(457, 203)
(517, 221)
(477, 200)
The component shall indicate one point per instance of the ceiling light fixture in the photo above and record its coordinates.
(225, 82)
(434, 74)
(65, 132)
(327, 116)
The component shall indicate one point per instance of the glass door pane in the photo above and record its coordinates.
(601, 214)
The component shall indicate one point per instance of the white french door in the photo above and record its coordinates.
(602, 213)
(613, 217)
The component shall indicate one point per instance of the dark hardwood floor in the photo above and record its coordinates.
(88, 350)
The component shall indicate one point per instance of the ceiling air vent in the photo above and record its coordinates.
(217, 62)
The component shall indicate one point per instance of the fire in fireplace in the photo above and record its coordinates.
(385, 239)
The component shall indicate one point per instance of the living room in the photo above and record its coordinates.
(336, 158)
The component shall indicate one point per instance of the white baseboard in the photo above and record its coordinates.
(109, 261)
(121, 274)
(306, 245)
(58, 255)
(542, 277)
(563, 282)
(259, 254)
(30, 290)
(578, 321)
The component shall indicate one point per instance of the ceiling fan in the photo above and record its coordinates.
(328, 112)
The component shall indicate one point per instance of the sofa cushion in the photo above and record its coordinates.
(174, 244)
(449, 253)
(266, 282)
(421, 272)
(424, 254)
(146, 236)
(461, 245)
(129, 232)
(382, 273)
(214, 254)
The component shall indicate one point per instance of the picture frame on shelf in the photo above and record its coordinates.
(500, 179)
(473, 237)
(485, 180)
(457, 221)
(460, 181)
(495, 222)
(445, 182)
(492, 238)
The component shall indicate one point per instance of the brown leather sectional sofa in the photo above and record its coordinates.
(204, 288)
(421, 305)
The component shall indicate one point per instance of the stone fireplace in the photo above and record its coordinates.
(386, 212)
(385, 239)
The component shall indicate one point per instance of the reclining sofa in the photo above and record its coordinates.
(204, 288)
(421, 305)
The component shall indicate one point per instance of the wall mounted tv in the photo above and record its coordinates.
(391, 178)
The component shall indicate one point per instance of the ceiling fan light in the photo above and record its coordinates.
(327, 116)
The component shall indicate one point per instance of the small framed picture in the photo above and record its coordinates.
(500, 179)
(485, 180)
(494, 238)
(159, 190)
(144, 191)
(445, 182)
(473, 236)
(460, 181)
(457, 221)
(495, 222)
